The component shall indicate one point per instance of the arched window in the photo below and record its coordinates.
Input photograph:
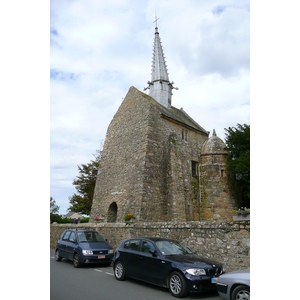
(112, 213)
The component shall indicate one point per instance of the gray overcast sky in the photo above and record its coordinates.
(98, 49)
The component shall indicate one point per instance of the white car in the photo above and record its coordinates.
(234, 285)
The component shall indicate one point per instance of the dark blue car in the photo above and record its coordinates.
(167, 263)
(83, 247)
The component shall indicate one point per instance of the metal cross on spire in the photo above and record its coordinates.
(155, 20)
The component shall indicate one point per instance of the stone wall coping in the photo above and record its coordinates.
(191, 224)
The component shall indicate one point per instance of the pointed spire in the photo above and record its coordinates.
(159, 68)
(160, 87)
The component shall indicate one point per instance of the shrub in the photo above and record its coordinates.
(58, 219)
(128, 217)
(84, 220)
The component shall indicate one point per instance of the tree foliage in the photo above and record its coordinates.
(238, 162)
(84, 183)
(54, 208)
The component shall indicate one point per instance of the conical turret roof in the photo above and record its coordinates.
(214, 145)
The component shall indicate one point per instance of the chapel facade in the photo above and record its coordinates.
(159, 164)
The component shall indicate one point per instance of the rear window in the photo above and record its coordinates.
(61, 236)
(132, 245)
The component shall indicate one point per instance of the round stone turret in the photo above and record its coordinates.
(216, 200)
(214, 145)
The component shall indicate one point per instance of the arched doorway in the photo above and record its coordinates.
(112, 213)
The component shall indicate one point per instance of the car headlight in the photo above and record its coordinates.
(87, 252)
(110, 251)
(196, 272)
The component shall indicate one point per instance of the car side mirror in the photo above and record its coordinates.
(153, 252)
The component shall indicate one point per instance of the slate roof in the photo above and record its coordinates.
(70, 214)
(176, 114)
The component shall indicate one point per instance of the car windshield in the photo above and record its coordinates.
(172, 247)
(90, 236)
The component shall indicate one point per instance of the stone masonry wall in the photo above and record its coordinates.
(217, 203)
(145, 168)
(226, 242)
(120, 175)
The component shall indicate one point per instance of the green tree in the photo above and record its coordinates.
(237, 142)
(81, 201)
(54, 208)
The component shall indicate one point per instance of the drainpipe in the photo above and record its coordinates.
(199, 175)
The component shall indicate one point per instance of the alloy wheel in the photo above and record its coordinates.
(243, 295)
(119, 270)
(57, 257)
(76, 260)
(175, 284)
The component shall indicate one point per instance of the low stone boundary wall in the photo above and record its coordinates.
(226, 242)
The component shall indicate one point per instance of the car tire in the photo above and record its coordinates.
(57, 256)
(177, 285)
(119, 271)
(241, 292)
(76, 262)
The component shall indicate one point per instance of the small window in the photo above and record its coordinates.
(194, 168)
(184, 134)
(195, 190)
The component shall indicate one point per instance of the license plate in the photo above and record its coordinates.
(101, 256)
(214, 280)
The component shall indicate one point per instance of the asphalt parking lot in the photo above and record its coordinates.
(97, 282)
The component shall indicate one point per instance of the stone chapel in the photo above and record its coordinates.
(157, 162)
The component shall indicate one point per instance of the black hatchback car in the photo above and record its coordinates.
(167, 263)
(83, 247)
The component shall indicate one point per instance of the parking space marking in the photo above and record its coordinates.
(105, 272)
(52, 257)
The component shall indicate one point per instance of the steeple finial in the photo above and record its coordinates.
(160, 87)
(155, 20)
